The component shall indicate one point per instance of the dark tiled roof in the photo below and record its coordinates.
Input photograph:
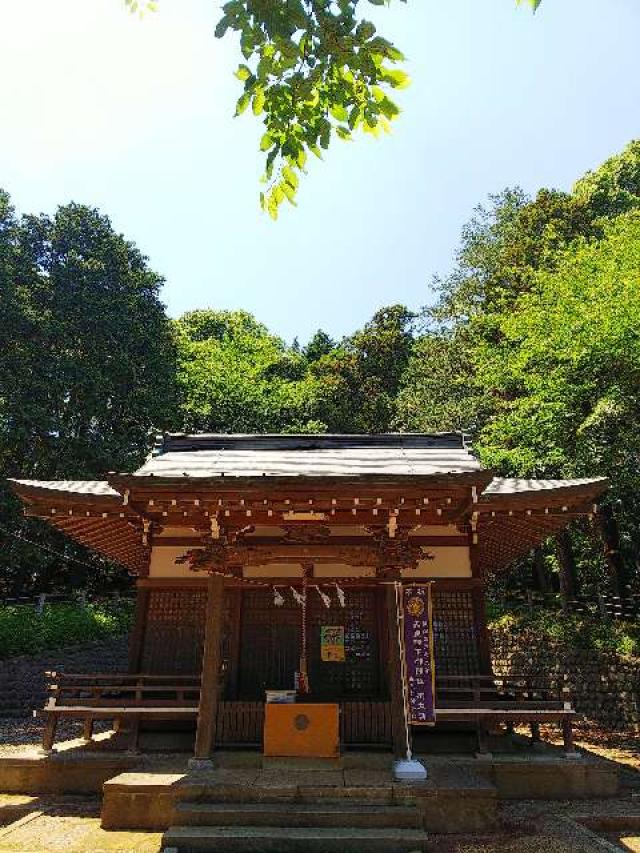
(390, 454)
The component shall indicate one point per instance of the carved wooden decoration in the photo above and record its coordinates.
(307, 544)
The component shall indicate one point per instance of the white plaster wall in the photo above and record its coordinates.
(163, 563)
(449, 561)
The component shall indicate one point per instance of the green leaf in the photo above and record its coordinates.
(290, 193)
(243, 73)
(222, 26)
(290, 177)
(339, 112)
(396, 77)
(533, 3)
(242, 103)
(259, 100)
(388, 108)
(266, 142)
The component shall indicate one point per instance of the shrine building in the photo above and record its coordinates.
(280, 567)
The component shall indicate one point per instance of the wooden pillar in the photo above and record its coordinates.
(210, 680)
(400, 730)
(136, 640)
(483, 638)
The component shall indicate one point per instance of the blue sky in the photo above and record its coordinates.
(135, 117)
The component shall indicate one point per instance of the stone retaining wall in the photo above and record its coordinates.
(22, 681)
(604, 686)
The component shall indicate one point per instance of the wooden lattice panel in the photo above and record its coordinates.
(365, 723)
(270, 644)
(455, 635)
(359, 675)
(174, 632)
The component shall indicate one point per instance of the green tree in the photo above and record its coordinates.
(614, 187)
(320, 344)
(502, 250)
(90, 374)
(87, 371)
(237, 377)
(532, 349)
(439, 391)
(567, 368)
(358, 380)
(566, 374)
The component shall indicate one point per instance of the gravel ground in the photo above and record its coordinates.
(18, 732)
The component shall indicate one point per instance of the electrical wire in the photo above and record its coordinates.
(46, 548)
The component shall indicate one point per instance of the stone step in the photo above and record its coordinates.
(273, 839)
(298, 815)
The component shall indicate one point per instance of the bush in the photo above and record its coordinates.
(568, 629)
(24, 632)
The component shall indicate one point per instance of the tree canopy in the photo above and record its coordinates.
(533, 341)
(87, 369)
(531, 347)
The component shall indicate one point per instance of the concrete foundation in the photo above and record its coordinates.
(155, 793)
(543, 778)
(451, 800)
(31, 773)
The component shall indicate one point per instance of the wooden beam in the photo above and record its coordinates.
(210, 680)
(195, 541)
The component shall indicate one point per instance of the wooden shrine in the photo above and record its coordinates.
(255, 553)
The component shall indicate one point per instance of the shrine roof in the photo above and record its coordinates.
(512, 486)
(93, 488)
(391, 454)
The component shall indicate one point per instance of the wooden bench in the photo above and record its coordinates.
(486, 701)
(118, 697)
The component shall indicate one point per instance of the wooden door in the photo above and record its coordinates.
(270, 643)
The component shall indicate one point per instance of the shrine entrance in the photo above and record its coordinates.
(271, 643)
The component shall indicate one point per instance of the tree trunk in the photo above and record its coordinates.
(540, 576)
(606, 525)
(568, 573)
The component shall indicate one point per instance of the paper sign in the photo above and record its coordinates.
(332, 643)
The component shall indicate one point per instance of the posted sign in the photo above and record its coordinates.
(332, 643)
(418, 650)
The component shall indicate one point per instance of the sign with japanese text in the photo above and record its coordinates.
(332, 643)
(418, 651)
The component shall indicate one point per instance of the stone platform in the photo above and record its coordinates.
(243, 800)
(362, 793)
